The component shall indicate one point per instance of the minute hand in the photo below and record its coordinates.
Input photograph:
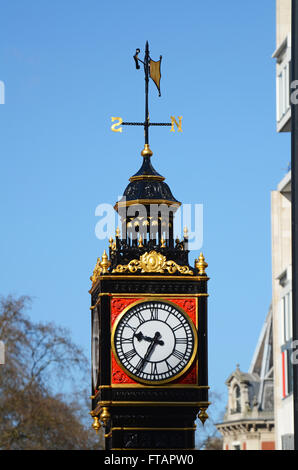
(150, 349)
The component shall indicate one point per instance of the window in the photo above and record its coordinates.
(283, 80)
(287, 372)
(287, 441)
(287, 316)
(283, 90)
(237, 399)
(236, 445)
(286, 343)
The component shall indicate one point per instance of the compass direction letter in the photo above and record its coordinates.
(178, 124)
(115, 127)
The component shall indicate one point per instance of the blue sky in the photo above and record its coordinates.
(67, 68)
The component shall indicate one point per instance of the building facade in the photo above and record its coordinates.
(248, 423)
(281, 243)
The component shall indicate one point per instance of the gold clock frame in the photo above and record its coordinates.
(152, 382)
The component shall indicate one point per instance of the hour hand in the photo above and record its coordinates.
(141, 337)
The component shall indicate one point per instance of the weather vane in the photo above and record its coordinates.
(152, 70)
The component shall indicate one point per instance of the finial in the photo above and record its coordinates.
(146, 152)
(140, 243)
(162, 242)
(203, 416)
(105, 416)
(201, 265)
(96, 424)
(185, 232)
(117, 232)
(112, 245)
(105, 263)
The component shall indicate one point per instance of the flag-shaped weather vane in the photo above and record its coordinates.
(151, 70)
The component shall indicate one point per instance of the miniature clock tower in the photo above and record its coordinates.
(149, 318)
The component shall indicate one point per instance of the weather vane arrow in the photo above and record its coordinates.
(152, 70)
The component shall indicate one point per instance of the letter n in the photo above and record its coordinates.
(178, 124)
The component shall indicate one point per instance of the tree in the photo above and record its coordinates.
(213, 443)
(207, 436)
(41, 359)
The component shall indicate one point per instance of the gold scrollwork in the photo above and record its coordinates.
(97, 271)
(152, 262)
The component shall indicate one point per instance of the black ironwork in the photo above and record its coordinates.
(146, 124)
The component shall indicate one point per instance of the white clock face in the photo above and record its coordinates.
(154, 342)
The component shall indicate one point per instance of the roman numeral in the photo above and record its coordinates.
(178, 354)
(181, 340)
(177, 327)
(130, 354)
(129, 326)
(126, 340)
(154, 313)
(140, 317)
(139, 364)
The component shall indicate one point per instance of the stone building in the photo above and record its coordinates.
(248, 423)
(281, 243)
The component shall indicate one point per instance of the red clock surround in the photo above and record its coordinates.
(187, 305)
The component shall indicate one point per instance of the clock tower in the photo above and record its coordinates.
(149, 321)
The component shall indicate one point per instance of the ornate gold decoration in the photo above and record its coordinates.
(97, 271)
(146, 152)
(147, 177)
(96, 424)
(105, 263)
(112, 245)
(162, 242)
(152, 262)
(173, 204)
(201, 265)
(105, 416)
(203, 416)
(185, 232)
(140, 243)
(117, 232)
(101, 267)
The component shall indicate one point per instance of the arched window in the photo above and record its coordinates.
(237, 402)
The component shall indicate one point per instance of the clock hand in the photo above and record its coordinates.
(140, 336)
(150, 349)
